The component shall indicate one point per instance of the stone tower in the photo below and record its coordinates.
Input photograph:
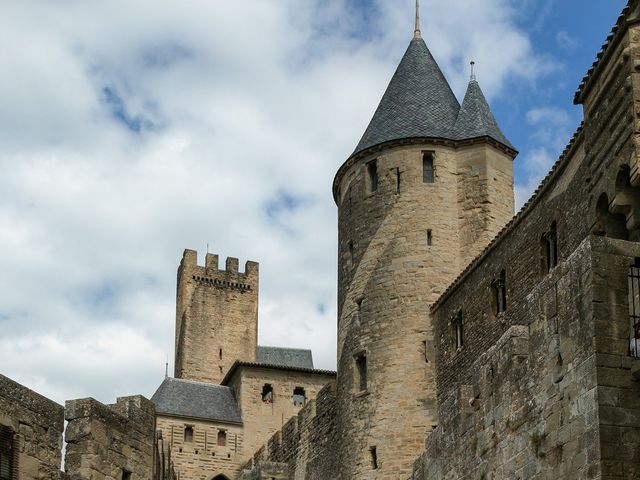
(428, 186)
(216, 317)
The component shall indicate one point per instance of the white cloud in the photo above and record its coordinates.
(550, 130)
(566, 41)
(132, 130)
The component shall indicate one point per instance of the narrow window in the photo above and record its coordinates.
(549, 247)
(374, 458)
(634, 309)
(126, 475)
(188, 434)
(359, 303)
(361, 366)
(267, 393)
(429, 237)
(220, 354)
(222, 438)
(299, 397)
(427, 168)
(349, 255)
(397, 180)
(6, 453)
(372, 169)
(499, 294)
(457, 331)
(424, 351)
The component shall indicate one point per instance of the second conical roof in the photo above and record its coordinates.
(475, 118)
(418, 102)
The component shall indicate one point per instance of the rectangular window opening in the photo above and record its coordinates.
(299, 397)
(374, 457)
(126, 475)
(7, 454)
(188, 434)
(222, 438)
(429, 238)
(634, 309)
(361, 366)
(397, 180)
(267, 393)
(372, 169)
(428, 173)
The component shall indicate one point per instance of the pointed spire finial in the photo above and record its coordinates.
(473, 70)
(417, 33)
(166, 368)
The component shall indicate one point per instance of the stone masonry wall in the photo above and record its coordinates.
(262, 420)
(216, 317)
(203, 458)
(305, 448)
(110, 442)
(389, 273)
(35, 424)
(527, 406)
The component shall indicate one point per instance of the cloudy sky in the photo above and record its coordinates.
(130, 130)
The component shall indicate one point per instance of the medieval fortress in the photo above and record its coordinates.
(472, 344)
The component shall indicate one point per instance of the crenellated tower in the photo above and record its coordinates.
(429, 184)
(216, 317)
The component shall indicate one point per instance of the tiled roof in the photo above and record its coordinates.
(286, 357)
(418, 102)
(206, 401)
(607, 47)
(475, 118)
(237, 365)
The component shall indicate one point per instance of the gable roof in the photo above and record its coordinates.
(475, 118)
(418, 102)
(285, 357)
(238, 366)
(187, 398)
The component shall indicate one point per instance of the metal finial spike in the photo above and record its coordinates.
(166, 368)
(417, 33)
(473, 70)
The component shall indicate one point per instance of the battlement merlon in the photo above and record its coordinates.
(210, 269)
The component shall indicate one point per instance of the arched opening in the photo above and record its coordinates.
(627, 203)
(221, 477)
(608, 224)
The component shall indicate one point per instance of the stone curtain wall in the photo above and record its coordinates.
(36, 424)
(216, 317)
(527, 406)
(305, 448)
(110, 442)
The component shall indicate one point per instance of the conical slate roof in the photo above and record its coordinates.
(475, 118)
(418, 102)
